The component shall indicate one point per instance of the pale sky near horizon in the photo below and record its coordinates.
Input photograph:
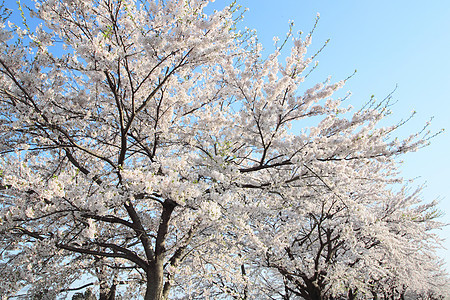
(391, 43)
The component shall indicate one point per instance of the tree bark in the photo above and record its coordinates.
(155, 271)
(155, 281)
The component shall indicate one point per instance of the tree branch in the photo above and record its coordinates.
(139, 229)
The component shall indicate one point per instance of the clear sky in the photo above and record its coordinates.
(401, 42)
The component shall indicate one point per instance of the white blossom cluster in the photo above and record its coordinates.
(151, 148)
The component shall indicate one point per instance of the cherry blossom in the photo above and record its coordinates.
(150, 148)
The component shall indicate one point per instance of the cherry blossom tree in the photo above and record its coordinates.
(150, 148)
(326, 215)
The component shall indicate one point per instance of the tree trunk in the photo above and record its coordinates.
(107, 293)
(351, 294)
(155, 281)
(315, 295)
(314, 292)
(313, 289)
(155, 272)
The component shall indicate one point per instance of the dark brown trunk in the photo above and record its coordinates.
(155, 282)
(351, 295)
(155, 271)
(108, 293)
(314, 291)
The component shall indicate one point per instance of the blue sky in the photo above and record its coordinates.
(390, 43)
